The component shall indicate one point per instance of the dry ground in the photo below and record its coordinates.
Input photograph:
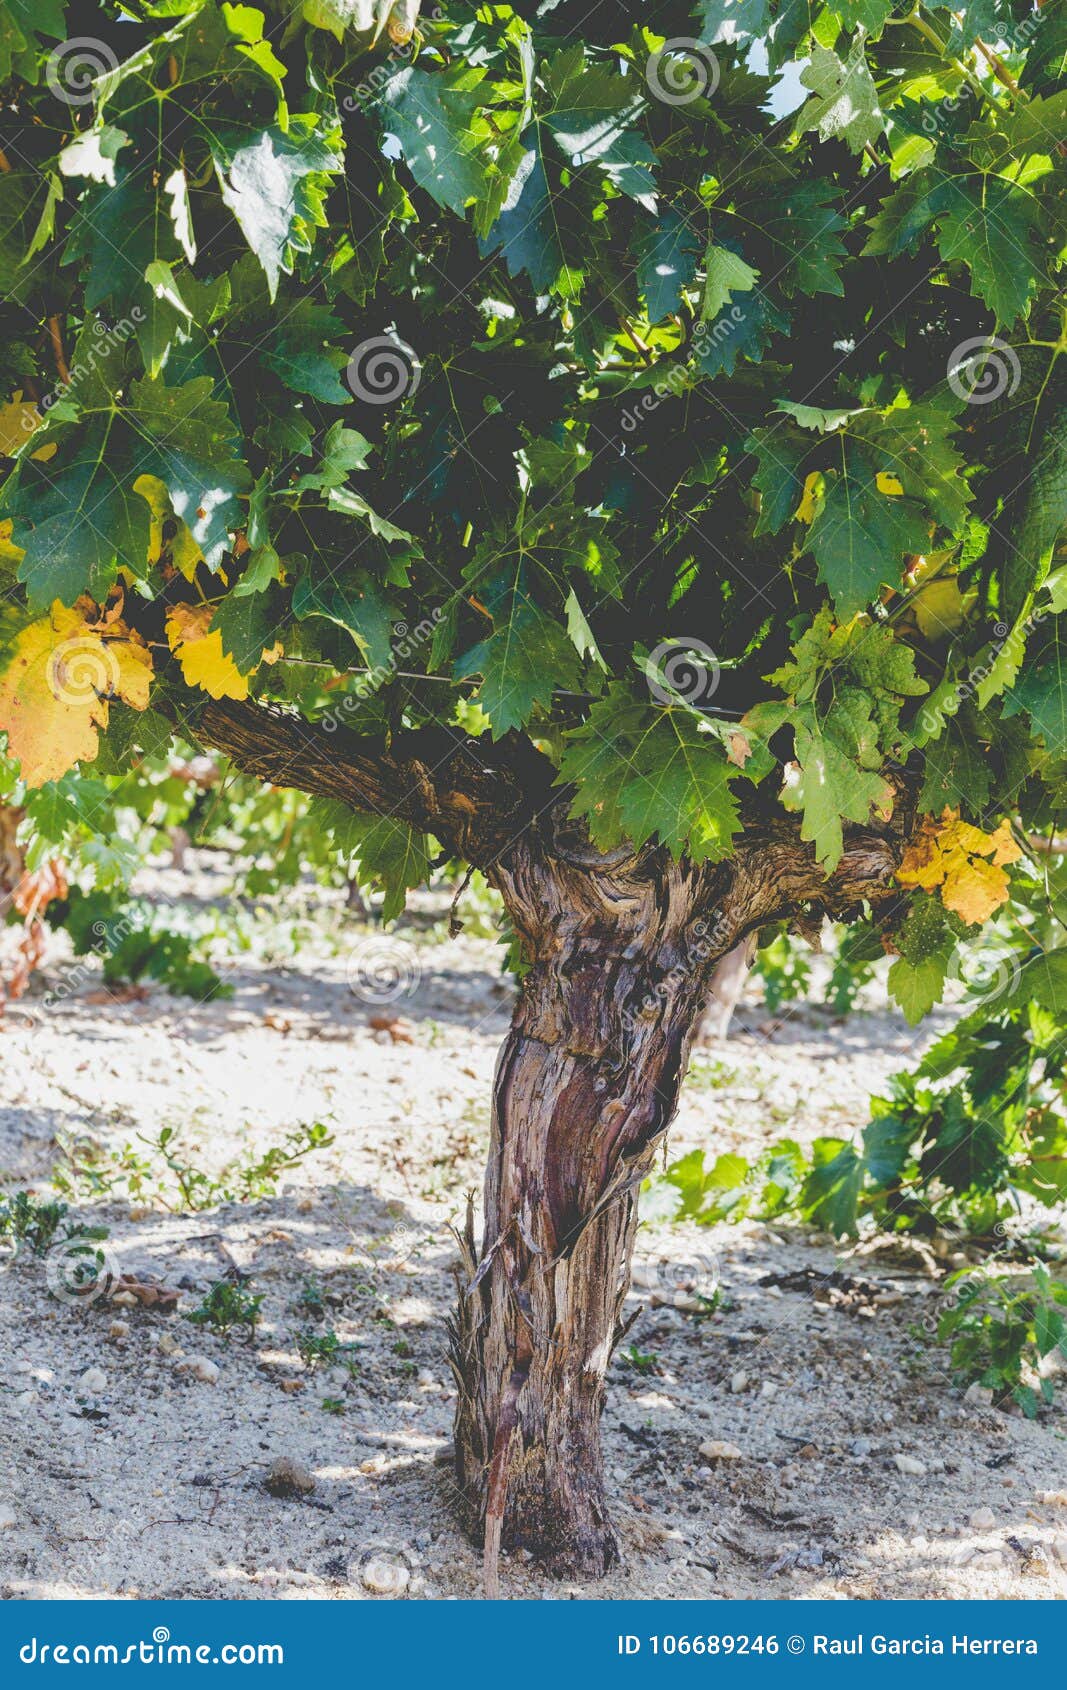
(151, 1483)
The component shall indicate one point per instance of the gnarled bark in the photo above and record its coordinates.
(586, 1085)
(620, 948)
(620, 951)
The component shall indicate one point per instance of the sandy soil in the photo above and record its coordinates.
(154, 1481)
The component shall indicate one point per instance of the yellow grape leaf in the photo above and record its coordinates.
(939, 607)
(185, 554)
(1006, 850)
(951, 854)
(18, 418)
(921, 865)
(10, 554)
(198, 649)
(888, 484)
(973, 889)
(810, 497)
(63, 672)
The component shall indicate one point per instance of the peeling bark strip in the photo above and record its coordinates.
(620, 948)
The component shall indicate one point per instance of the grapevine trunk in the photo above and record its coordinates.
(586, 1085)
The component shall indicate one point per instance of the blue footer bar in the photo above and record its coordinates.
(534, 1646)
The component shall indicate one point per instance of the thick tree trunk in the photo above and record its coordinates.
(586, 1086)
(620, 949)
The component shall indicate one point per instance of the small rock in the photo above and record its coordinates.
(289, 1478)
(988, 1559)
(738, 1381)
(124, 1300)
(860, 1448)
(93, 1381)
(768, 1389)
(385, 1578)
(7, 1517)
(982, 1520)
(198, 1367)
(716, 1450)
(1051, 1498)
(1059, 1549)
(908, 1464)
(425, 1380)
(167, 1345)
(687, 1303)
(979, 1396)
(118, 1330)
